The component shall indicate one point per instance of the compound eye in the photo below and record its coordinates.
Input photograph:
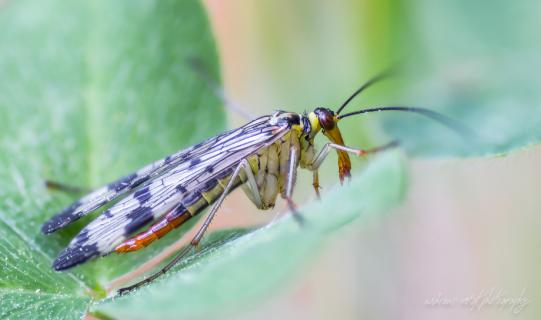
(326, 118)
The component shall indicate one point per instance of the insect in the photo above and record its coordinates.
(262, 156)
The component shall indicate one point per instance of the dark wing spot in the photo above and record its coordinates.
(137, 212)
(198, 145)
(179, 210)
(209, 169)
(209, 185)
(139, 217)
(122, 182)
(139, 181)
(70, 257)
(191, 198)
(142, 195)
(82, 237)
(62, 219)
(184, 155)
(195, 162)
(180, 188)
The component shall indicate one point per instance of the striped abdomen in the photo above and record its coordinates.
(192, 204)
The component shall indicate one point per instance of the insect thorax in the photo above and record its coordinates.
(271, 164)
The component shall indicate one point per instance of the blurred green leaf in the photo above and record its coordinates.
(89, 91)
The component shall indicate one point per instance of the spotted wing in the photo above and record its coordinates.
(129, 183)
(214, 157)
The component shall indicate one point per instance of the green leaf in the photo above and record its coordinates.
(29, 288)
(89, 91)
(246, 268)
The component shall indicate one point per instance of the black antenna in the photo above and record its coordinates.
(382, 76)
(438, 117)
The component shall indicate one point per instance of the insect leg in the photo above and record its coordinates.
(196, 239)
(315, 182)
(320, 157)
(291, 177)
(251, 189)
(59, 186)
(360, 152)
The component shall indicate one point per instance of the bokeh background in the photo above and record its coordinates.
(465, 242)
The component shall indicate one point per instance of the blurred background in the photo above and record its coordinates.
(465, 243)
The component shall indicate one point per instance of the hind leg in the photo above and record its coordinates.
(66, 188)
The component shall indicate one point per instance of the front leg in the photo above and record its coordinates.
(66, 188)
(322, 155)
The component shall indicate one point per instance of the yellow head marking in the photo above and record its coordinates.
(314, 122)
